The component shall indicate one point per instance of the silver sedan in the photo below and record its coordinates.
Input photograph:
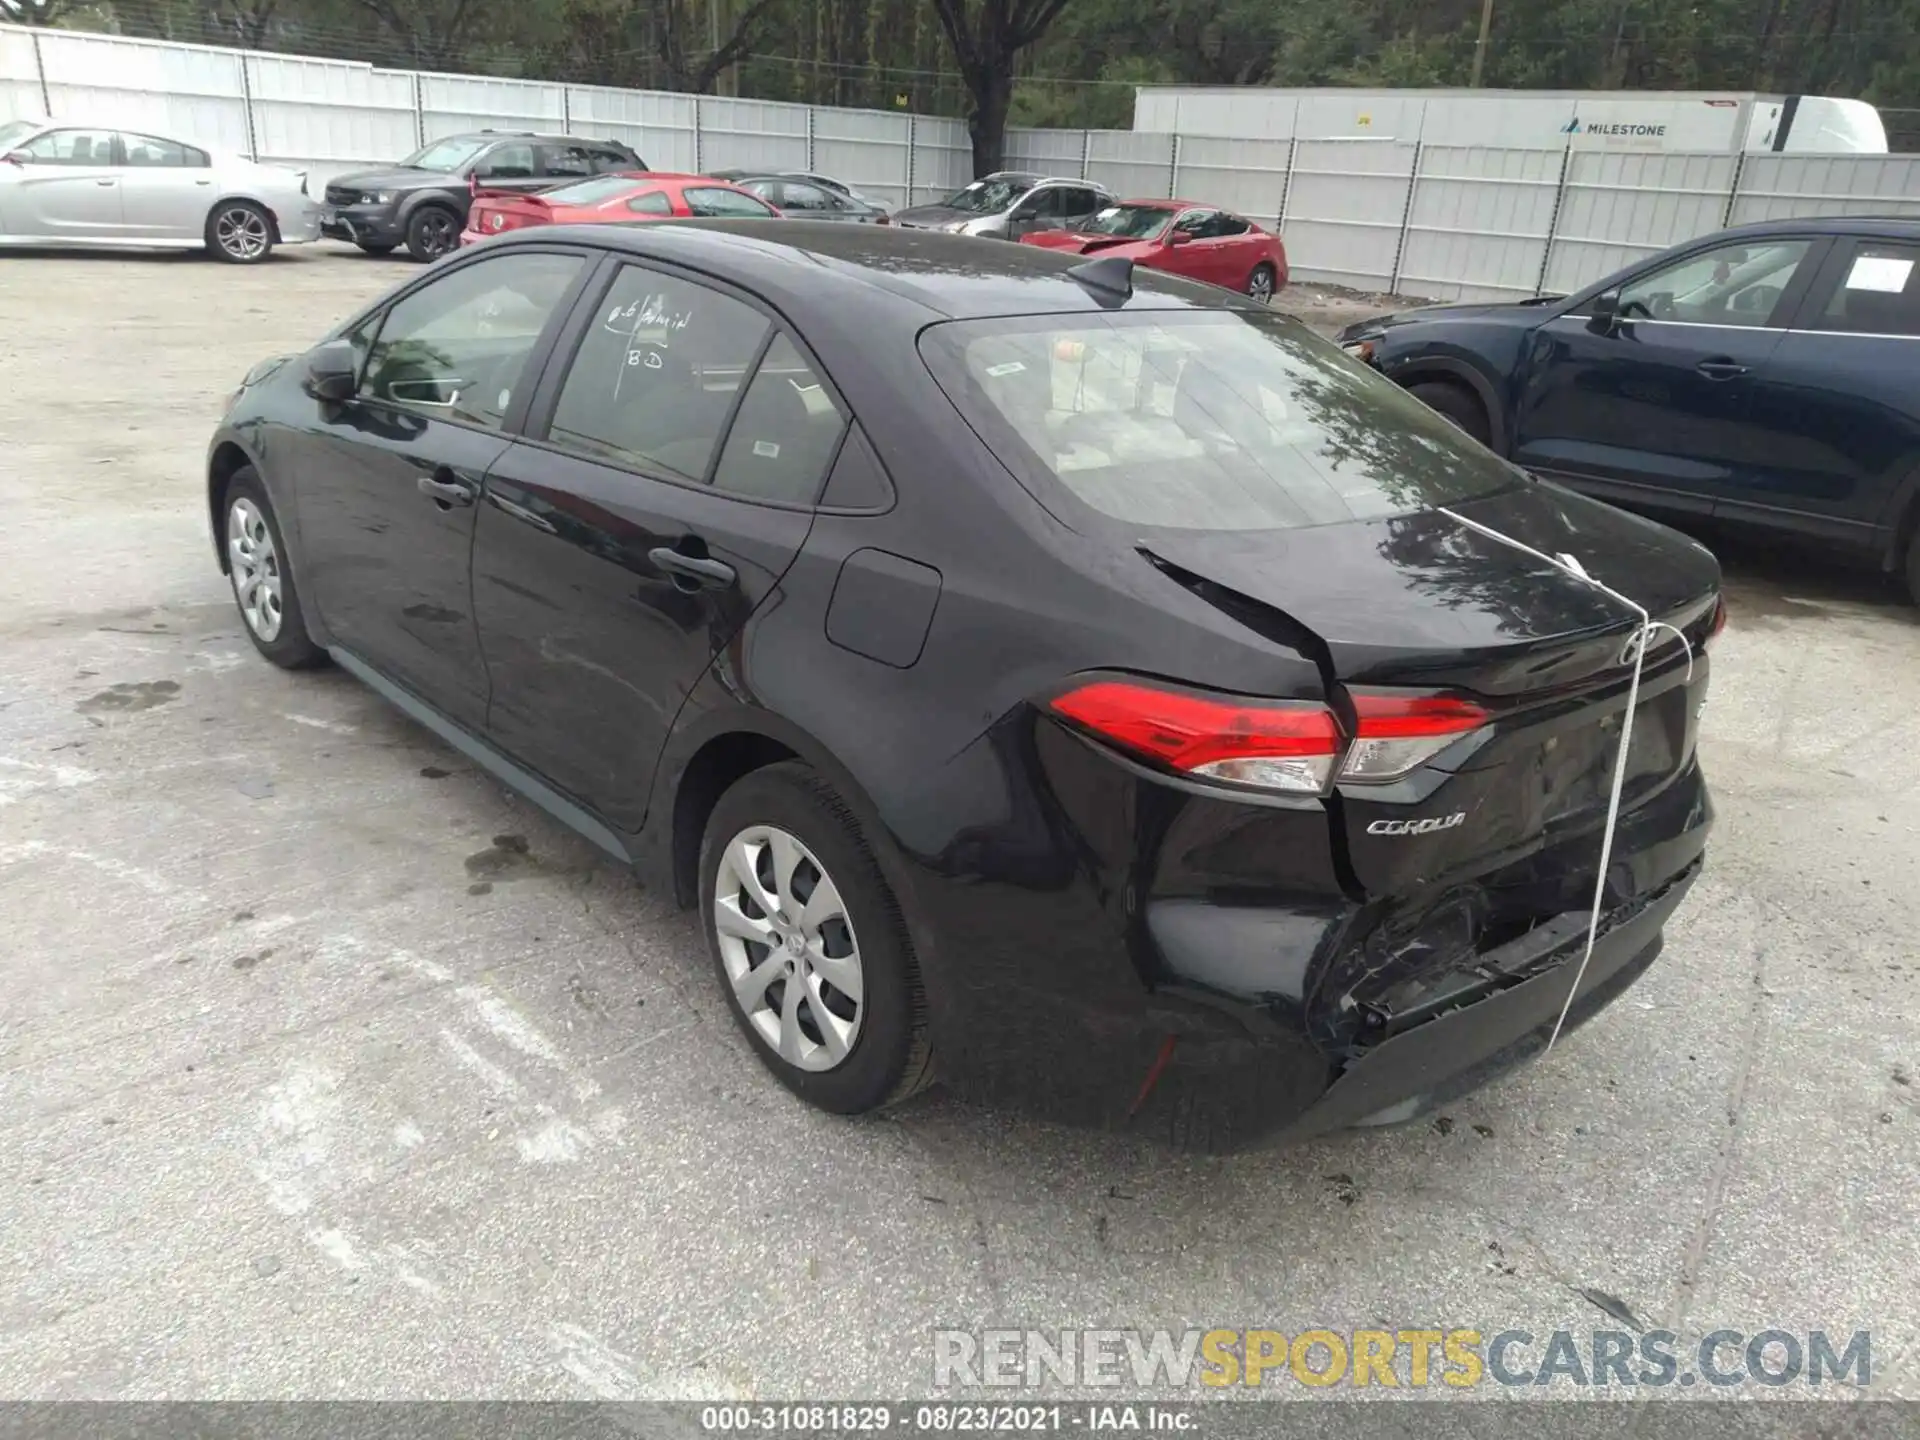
(63, 183)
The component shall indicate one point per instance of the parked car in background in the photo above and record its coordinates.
(1009, 204)
(615, 200)
(804, 200)
(421, 203)
(1767, 376)
(1181, 238)
(66, 183)
(825, 182)
(1076, 683)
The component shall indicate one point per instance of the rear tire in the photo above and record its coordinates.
(1260, 284)
(239, 232)
(433, 231)
(375, 249)
(1457, 404)
(858, 940)
(261, 575)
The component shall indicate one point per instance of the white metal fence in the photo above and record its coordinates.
(1455, 220)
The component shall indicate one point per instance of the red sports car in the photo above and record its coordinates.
(1179, 236)
(609, 199)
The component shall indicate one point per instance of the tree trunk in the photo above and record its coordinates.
(992, 87)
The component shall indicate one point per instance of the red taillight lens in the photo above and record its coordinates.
(1719, 622)
(1399, 733)
(1269, 744)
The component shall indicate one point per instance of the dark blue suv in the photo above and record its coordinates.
(1768, 375)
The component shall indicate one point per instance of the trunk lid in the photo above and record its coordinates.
(1422, 602)
(494, 212)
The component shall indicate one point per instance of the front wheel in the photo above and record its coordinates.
(239, 232)
(432, 232)
(263, 587)
(1260, 283)
(809, 945)
(1456, 404)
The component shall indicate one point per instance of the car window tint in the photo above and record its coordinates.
(651, 202)
(147, 150)
(711, 200)
(604, 160)
(566, 160)
(655, 377)
(805, 198)
(1224, 224)
(1737, 284)
(507, 162)
(69, 147)
(1194, 223)
(785, 434)
(456, 348)
(1879, 294)
(1210, 420)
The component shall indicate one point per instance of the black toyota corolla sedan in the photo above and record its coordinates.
(1079, 685)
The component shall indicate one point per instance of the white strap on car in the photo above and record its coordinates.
(1648, 626)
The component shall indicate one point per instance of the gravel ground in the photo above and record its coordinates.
(330, 1069)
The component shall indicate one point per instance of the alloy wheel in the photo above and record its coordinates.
(787, 943)
(1260, 287)
(242, 232)
(437, 234)
(255, 566)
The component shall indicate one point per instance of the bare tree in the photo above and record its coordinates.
(987, 36)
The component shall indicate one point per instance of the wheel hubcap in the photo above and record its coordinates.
(255, 566)
(788, 947)
(241, 233)
(1261, 286)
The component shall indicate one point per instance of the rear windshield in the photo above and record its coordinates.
(1202, 420)
(591, 192)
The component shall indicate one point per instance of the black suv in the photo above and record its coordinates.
(1764, 376)
(422, 202)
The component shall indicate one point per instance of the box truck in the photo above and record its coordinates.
(1721, 121)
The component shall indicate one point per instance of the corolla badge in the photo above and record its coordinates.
(1417, 827)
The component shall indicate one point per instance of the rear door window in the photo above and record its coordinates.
(168, 154)
(651, 202)
(1202, 420)
(655, 378)
(566, 160)
(1878, 292)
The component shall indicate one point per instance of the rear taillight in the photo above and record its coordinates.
(1270, 744)
(1399, 733)
(1719, 622)
(1293, 746)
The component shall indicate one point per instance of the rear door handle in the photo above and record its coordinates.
(696, 568)
(1721, 369)
(444, 490)
(106, 182)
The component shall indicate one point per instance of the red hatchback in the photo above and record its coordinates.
(609, 199)
(1198, 241)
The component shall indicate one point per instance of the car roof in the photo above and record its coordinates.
(811, 268)
(1893, 226)
(532, 135)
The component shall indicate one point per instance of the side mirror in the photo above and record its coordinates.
(12, 157)
(331, 372)
(1606, 312)
(1179, 237)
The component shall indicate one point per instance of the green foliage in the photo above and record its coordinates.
(1075, 62)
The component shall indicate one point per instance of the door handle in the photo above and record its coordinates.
(1721, 369)
(697, 568)
(106, 182)
(203, 182)
(444, 490)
